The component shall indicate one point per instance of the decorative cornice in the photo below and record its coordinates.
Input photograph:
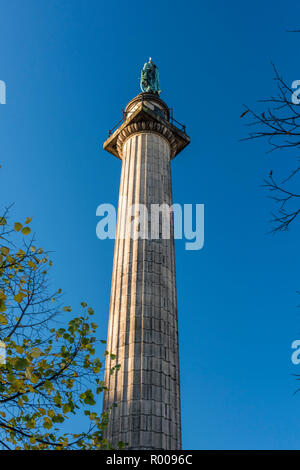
(152, 126)
(143, 118)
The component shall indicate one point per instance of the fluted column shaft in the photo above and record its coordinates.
(142, 331)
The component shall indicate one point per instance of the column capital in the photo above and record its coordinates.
(146, 113)
(147, 126)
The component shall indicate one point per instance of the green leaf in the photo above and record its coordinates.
(88, 397)
(48, 385)
(21, 363)
(57, 399)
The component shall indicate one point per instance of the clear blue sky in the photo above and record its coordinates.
(70, 67)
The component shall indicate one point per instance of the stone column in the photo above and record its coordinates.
(143, 331)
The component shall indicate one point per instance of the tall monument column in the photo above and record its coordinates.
(142, 330)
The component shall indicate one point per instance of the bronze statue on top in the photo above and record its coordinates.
(150, 78)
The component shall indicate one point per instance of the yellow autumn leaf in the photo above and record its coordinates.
(19, 297)
(18, 226)
(2, 295)
(28, 220)
(35, 352)
(19, 349)
(31, 264)
(34, 379)
(4, 250)
(26, 230)
(67, 309)
(2, 305)
(3, 320)
(21, 252)
(28, 373)
(47, 423)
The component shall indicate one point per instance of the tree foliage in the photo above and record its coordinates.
(51, 371)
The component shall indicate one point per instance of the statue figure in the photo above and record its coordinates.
(150, 78)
